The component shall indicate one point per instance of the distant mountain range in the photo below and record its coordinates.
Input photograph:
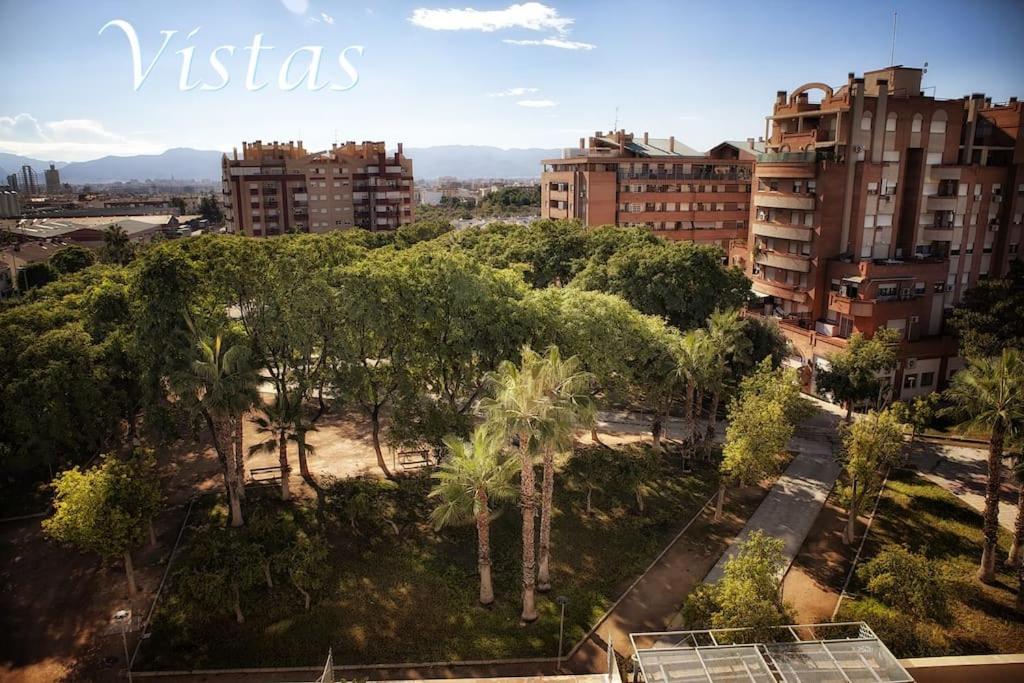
(183, 163)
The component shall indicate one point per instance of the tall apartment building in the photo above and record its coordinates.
(28, 181)
(878, 206)
(12, 182)
(617, 178)
(278, 188)
(52, 176)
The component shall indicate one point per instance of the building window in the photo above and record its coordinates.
(909, 381)
(927, 379)
(1013, 249)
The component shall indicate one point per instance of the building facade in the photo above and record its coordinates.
(28, 181)
(52, 176)
(660, 184)
(278, 188)
(878, 206)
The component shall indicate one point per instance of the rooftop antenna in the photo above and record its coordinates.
(616, 126)
(892, 51)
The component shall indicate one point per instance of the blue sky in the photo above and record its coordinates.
(491, 72)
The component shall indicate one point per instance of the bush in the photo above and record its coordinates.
(902, 633)
(365, 503)
(909, 582)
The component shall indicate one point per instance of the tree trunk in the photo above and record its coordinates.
(266, 575)
(639, 495)
(720, 503)
(237, 605)
(688, 412)
(656, 429)
(232, 483)
(282, 459)
(152, 533)
(595, 437)
(300, 447)
(129, 571)
(590, 491)
(527, 501)
(698, 406)
(987, 570)
(239, 454)
(849, 411)
(1013, 559)
(483, 549)
(851, 516)
(375, 419)
(1020, 586)
(547, 494)
(713, 416)
(305, 595)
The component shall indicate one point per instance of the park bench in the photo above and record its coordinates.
(265, 476)
(414, 460)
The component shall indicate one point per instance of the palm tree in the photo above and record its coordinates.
(1017, 545)
(695, 357)
(570, 406)
(518, 408)
(276, 426)
(117, 248)
(221, 384)
(472, 477)
(989, 394)
(730, 348)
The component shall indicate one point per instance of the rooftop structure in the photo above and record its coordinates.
(821, 653)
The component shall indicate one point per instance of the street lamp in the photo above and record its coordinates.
(562, 601)
(123, 618)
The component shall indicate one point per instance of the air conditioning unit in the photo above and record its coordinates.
(911, 362)
(915, 319)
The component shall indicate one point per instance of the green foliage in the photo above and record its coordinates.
(871, 444)
(506, 200)
(853, 375)
(989, 394)
(71, 259)
(117, 247)
(221, 570)
(209, 209)
(987, 318)
(778, 385)
(36, 274)
(918, 413)
(367, 504)
(748, 594)
(904, 634)
(472, 475)
(908, 582)
(104, 510)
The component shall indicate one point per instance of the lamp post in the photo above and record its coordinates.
(562, 601)
(123, 618)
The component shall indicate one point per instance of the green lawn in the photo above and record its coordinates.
(412, 597)
(929, 520)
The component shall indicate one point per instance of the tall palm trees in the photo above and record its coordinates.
(695, 357)
(989, 393)
(220, 384)
(276, 425)
(474, 475)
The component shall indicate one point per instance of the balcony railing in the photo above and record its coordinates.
(786, 157)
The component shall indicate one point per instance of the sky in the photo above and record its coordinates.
(481, 72)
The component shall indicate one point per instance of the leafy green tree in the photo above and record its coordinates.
(780, 385)
(105, 510)
(472, 477)
(117, 247)
(870, 444)
(209, 209)
(308, 565)
(918, 412)
(729, 349)
(855, 373)
(638, 474)
(71, 259)
(748, 594)
(221, 568)
(988, 319)
(989, 394)
(179, 204)
(593, 470)
(365, 502)
(766, 341)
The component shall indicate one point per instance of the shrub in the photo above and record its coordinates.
(365, 503)
(909, 582)
(903, 634)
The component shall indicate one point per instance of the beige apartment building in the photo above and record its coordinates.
(277, 188)
(877, 206)
(617, 178)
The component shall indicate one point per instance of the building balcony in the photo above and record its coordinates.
(937, 202)
(774, 259)
(852, 307)
(558, 196)
(784, 231)
(781, 290)
(782, 200)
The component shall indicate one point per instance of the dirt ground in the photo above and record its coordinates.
(55, 604)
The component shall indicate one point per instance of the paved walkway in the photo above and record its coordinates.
(963, 471)
(790, 508)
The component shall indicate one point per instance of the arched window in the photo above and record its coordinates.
(938, 124)
(890, 122)
(915, 124)
(865, 121)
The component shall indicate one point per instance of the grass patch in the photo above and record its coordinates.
(412, 596)
(929, 520)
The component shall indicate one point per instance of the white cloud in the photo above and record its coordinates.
(328, 19)
(554, 42)
(67, 140)
(513, 92)
(296, 6)
(533, 16)
(537, 104)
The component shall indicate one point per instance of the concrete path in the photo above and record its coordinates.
(963, 471)
(790, 508)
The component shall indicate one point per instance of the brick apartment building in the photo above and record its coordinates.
(278, 188)
(618, 178)
(878, 206)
